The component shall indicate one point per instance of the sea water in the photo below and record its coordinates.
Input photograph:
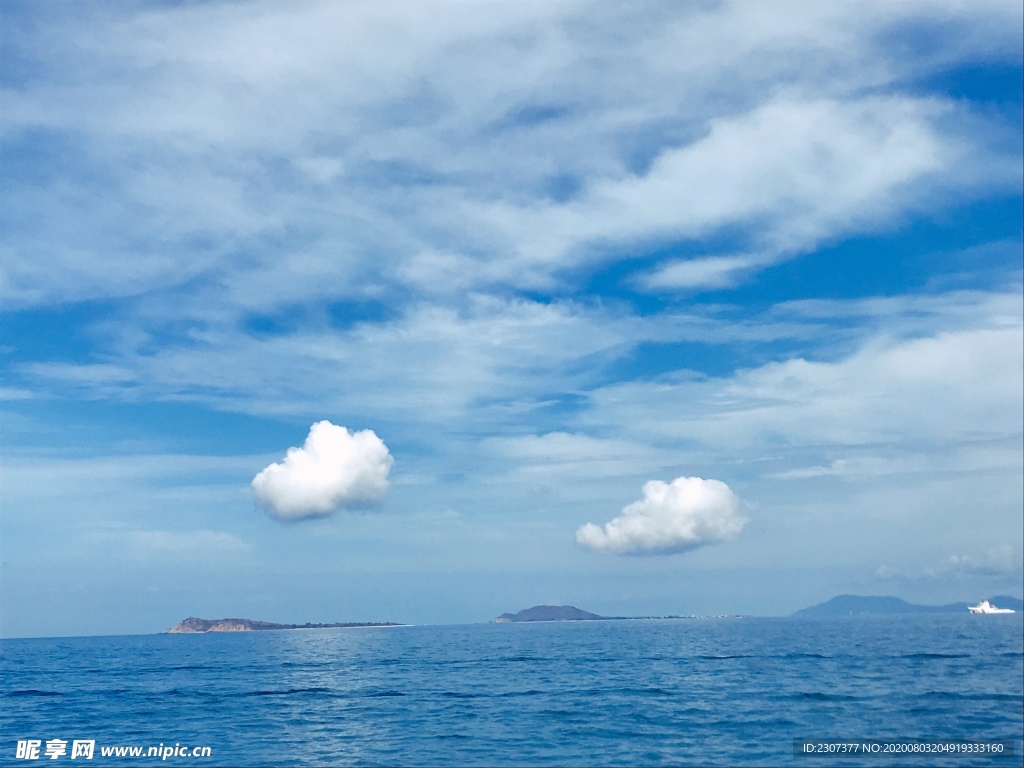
(734, 691)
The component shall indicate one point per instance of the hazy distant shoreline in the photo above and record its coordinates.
(857, 605)
(839, 606)
(194, 626)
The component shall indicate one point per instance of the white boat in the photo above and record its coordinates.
(986, 607)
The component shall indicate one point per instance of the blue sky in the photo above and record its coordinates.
(554, 256)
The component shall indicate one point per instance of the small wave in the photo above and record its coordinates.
(648, 691)
(460, 695)
(34, 692)
(531, 692)
(804, 656)
(652, 691)
(953, 696)
(737, 725)
(934, 656)
(722, 657)
(819, 696)
(287, 692)
(384, 694)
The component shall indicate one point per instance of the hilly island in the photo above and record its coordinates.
(572, 613)
(548, 613)
(193, 625)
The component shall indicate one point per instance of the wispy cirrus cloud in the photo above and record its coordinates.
(883, 392)
(201, 156)
(701, 272)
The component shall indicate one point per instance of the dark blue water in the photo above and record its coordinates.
(682, 692)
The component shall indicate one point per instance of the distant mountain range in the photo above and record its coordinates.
(193, 625)
(857, 605)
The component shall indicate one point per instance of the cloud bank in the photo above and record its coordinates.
(683, 515)
(334, 468)
(1003, 561)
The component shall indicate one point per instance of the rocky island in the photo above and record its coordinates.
(192, 625)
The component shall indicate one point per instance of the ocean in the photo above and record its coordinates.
(731, 691)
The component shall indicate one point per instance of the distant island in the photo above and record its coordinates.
(857, 605)
(841, 605)
(548, 613)
(572, 613)
(193, 625)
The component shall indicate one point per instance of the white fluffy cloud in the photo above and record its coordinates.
(685, 514)
(334, 468)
